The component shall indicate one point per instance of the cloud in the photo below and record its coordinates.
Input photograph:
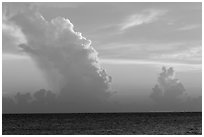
(12, 37)
(169, 94)
(40, 101)
(129, 61)
(188, 27)
(166, 52)
(66, 58)
(168, 86)
(153, 63)
(145, 17)
(191, 55)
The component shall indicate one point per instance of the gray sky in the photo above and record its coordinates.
(133, 41)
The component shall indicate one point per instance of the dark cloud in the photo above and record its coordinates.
(45, 101)
(40, 101)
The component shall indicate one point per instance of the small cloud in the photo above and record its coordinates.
(169, 93)
(189, 27)
(155, 63)
(145, 17)
(192, 55)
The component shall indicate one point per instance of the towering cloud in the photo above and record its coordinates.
(66, 58)
(169, 90)
(169, 94)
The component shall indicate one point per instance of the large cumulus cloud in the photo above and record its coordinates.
(66, 58)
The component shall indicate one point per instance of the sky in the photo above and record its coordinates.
(127, 56)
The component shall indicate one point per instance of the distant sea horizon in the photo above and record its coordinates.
(106, 112)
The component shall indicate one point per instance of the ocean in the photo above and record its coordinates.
(157, 123)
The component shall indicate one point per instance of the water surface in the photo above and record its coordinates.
(103, 123)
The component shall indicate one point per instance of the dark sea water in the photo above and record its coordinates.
(103, 123)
